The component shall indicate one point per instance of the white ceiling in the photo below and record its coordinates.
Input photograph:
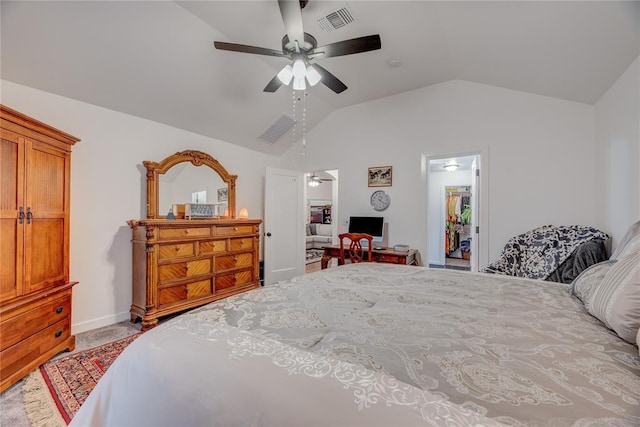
(156, 60)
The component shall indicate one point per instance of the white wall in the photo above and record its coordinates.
(108, 187)
(540, 151)
(617, 130)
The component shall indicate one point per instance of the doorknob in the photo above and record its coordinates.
(268, 234)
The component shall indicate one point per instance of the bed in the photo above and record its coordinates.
(380, 345)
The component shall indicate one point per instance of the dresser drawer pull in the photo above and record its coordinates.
(58, 333)
(235, 260)
(235, 228)
(59, 309)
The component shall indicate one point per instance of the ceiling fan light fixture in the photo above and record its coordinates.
(286, 74)
(298, 83)
(314, 180)
(299, 69)
(450, 167)
(313, 76)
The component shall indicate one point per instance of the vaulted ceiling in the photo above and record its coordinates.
(156, 59)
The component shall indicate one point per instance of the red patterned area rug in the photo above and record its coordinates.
(70, 379)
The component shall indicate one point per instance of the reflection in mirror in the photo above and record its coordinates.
(184, 174)
(185, 183)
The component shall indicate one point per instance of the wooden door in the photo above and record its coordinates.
(46, 222)
(11, 228)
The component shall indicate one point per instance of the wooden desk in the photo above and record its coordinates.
(387, 255)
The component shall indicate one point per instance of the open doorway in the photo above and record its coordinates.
(321, 195)
(453, 212)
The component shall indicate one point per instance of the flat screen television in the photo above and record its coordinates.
(373, 225)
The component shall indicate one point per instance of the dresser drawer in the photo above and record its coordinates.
(212, 246)
(226, 281)
(15, 329)
(240, 244)
(13, 358)
(235, 230)
(181, 270)
(185, 292)
(234, 261)
(174, 233)
(175, 251)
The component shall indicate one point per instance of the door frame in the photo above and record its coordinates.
(480, 194)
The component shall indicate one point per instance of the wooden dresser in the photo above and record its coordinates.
(181, 264)
(35, 291)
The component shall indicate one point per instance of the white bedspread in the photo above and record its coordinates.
(377, 345)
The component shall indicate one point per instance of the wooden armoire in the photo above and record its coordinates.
(35, 290)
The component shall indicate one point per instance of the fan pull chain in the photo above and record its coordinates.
(304, 124)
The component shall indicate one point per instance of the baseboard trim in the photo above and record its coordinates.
(89, 325)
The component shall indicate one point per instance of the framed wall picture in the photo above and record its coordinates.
(222, 194)
(380, 176)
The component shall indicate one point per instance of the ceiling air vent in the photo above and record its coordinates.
(277, 129)
(336, 19)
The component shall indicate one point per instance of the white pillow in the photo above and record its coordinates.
(629, 243)
(589, 280)
(616, 302)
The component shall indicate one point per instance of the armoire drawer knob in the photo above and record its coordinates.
(58, 333)
(59, 310)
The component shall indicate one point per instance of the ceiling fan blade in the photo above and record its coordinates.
(234, 47)
(273, 85)
(329, 80)
(351, 46)
(292, 18)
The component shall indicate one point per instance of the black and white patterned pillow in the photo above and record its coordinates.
(589, 280)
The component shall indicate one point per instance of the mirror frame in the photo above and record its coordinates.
(197, 158)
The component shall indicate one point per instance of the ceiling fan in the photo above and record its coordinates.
(301, 48)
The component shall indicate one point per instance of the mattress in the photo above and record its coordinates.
(377, 344)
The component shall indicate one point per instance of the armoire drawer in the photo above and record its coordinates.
(15, 329)
(174, 233)
(175, 251)
(226, 281)
(185, 291)
(181, 270)
(235, 230)
(14, 357)
(241, 243)
(234, 261)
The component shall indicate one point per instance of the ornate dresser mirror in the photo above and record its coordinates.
(174, 181)
(197, 255)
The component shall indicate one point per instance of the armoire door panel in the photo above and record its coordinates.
(10, 253)
(11, 231)
(45, 179)
(10, 178)
(45, 260)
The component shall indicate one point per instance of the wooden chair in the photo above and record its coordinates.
(355, 251)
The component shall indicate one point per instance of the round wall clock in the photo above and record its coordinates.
(380, 200)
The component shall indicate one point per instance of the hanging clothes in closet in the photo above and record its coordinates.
(456, 199)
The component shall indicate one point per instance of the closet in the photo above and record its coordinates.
(35, 290)
(458, 222)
